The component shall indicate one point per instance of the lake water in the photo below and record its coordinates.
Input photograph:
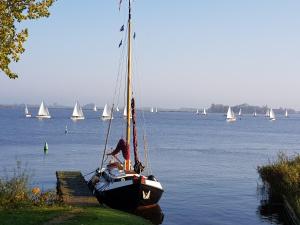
(206, 165)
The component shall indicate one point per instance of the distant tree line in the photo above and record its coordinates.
(246, 109)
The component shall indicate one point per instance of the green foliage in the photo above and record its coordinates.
(11, 40)
(16, 193)
(283, 177)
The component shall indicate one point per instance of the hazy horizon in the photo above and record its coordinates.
(189, 54)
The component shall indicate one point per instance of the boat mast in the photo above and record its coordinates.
(127, 162)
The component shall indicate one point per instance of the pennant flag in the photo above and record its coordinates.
(120, 5)
(122, 28)
(120, 44)
(134, 35)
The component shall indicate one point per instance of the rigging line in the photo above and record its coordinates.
(121, 60)
(106, 139)
(114, 98)
(138, 81)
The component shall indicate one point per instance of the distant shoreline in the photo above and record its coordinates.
(214, 108)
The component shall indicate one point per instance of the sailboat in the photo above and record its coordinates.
(204, 112)
(286, 113)
(230, 117)
(156, 110)
(125, 113)
(77, 112)
(117, 109)
(197, 112)
(254, 114)
(240, 112)
(267, 113)
(272, 115)
(27, 114)
(43, 112)
(119, 184)
(106, 114)
(152, 110)
(95, 108)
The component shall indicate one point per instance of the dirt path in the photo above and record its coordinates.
(64, 217)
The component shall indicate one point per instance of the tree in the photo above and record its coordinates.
(11, 40)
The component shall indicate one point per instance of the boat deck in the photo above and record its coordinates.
(73, 189)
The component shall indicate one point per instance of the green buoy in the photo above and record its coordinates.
(46, 147)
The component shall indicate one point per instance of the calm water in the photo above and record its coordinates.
(207, 166)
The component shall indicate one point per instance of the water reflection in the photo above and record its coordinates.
(152, 213)
(271, 208)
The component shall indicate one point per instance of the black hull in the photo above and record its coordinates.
(130, 196)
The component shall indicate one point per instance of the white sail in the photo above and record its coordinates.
(197, 112)
(156, 110)
(43, 111)
(77, 112)
(26, 110)
(272, 114)
(204, 112)
(268, 113)
(117, 109)
(125, 112)
(254, 114)
(240, 112)
(230, 115)
(286, 113)
(27, 114)
(152, 110)
(106, 114)
(95, 108)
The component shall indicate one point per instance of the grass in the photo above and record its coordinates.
(283, 178)
(30, 215)
(21, 205)
(64, 215)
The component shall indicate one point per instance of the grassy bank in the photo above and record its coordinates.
(283, 178)
(64, 215)
(22, 205)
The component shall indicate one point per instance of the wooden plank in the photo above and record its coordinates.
(73, 190)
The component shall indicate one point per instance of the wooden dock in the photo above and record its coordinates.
(73, 190)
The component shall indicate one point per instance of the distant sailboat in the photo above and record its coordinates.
(66, 129)
(286, 113)
(272, 115)
(106, 113)
(156, 110)
(95, 108)
(117, 109)
(152, 110)
(125, 113)
(230, 115)
(204, 112)
(27, 114)
(254, 114)
(240, 112)
(43, 112)
(267, 113)
(197, 112)
(77, 112)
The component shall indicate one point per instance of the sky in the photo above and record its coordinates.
(186, 53)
